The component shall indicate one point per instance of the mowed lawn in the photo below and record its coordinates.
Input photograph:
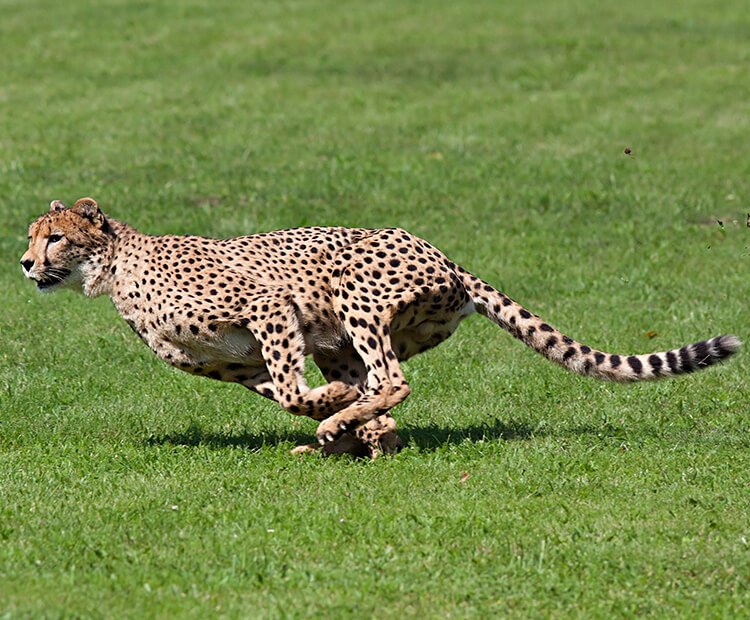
(497, 131)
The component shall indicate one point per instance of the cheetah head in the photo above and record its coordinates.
(63, 243)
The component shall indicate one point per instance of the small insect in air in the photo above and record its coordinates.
(628, 152)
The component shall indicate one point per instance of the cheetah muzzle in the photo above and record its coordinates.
(248, 310)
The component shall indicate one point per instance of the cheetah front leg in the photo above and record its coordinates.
(386, 385)
(282, 346)
(378, 436)
(262, 384)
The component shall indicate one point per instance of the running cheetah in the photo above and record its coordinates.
(248, 310)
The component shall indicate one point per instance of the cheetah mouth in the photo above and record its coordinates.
(51, 279)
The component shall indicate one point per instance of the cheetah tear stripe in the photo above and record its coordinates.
(584, 360)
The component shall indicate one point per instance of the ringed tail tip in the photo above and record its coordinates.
(728, 344)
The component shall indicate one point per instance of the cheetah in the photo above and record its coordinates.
(250, 309)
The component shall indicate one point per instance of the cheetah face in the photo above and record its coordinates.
(60, 243)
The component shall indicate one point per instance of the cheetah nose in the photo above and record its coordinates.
(27, 264)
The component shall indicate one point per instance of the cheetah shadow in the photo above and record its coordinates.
(431, 438)
(425, 438)
(195, 436)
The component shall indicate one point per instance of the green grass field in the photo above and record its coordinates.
(497, 132)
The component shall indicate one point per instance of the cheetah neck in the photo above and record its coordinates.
(97, 273)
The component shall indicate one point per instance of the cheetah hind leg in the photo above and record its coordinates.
(380, 436)
(377, 437)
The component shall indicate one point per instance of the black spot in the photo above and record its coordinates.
(569, 353)
(524, 313)
(598, 357)
(656, 364)
(551, 342)
(372, 343)
(214, 374)
(614, 360)
(674, 365)
(567, 340)
(546, 328)
(635, 364)
(585, 349)
(194, 329)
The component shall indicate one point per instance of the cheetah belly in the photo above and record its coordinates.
(231, 354)
(228, 345)
(324, 339)
(413, 333)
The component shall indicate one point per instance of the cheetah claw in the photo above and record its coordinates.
(329, 432)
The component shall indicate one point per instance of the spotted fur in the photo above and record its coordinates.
(584, 360)
(248, 310)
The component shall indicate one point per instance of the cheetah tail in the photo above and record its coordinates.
(584, 360)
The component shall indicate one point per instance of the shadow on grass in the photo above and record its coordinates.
(194, 435)
(424, 437)
(432, 437)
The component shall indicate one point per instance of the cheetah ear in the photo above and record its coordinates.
(87, 207)
(57, 205)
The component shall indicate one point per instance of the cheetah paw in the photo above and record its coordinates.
(346, 444)
(309, 448)
(331, 429)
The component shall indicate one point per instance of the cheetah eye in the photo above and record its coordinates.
(54, 238)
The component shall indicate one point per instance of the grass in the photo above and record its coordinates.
(497, 132)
